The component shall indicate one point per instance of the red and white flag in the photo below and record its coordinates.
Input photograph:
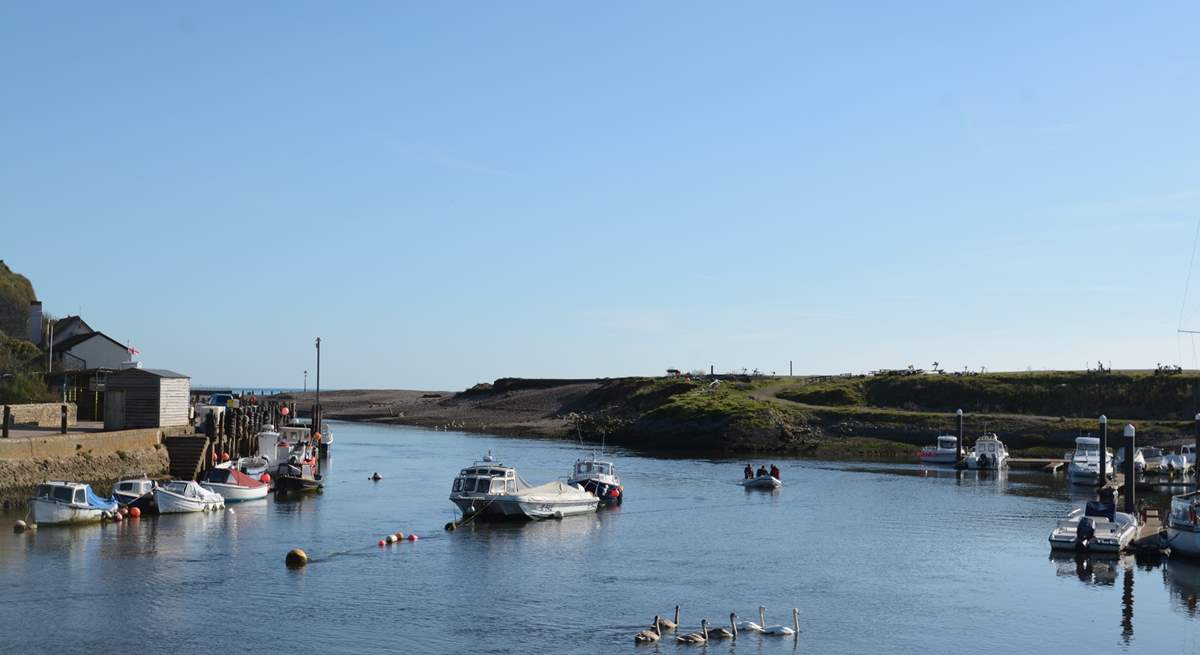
(134, 352)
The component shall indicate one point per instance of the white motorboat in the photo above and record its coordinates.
(1083, 464)
(127, 492)
(181, 496)
(765, 482)
(989, 453)
(56, 502)
(488, 488)
(945, 452)
(1153, 459)
(1183, 461)
(1183, 525)
(600, 478)
(1096, 527)
(233, 485)
(1139, 461)
(252, 466)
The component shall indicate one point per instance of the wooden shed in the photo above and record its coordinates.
(146, 398)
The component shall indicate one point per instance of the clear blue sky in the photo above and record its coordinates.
(453, 192)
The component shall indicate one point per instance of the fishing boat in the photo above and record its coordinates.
(945, 452)
(764, 482)
(598, 477)
(301, 471)
(233, 485)
(1139, 460)
(1083, 464)
(182, 496)
(490, 489)
(137, 493)
(56, 502)
(1183, 461)
(1095, 527)
(989, 453)
(326, 439)
(1183, 525)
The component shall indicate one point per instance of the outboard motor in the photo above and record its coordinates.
(983, 461)
(1084, 532)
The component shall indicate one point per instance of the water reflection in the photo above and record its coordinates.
(1183, 583)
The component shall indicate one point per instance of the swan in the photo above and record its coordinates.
(650, 635)
(725, 633)
(783, 630)
(668, 624)
(695, 637)
(751, 626)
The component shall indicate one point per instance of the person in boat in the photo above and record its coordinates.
(749, 472)
(762, 470)
(775, 471)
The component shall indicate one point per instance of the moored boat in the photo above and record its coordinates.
(182, 496)
(490, 489)
(137, 493)
(56, 502)
(1096, 527)
(944, 452)
(989, 453)
(252, 466)
(1183, 461)
(1083, 464)
(1183, 525)
(598, 477)
(1152, 459)
(233, 485)
(1139, 460)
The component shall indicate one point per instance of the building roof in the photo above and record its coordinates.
(69, 343)
(158, 372)
(66, 322)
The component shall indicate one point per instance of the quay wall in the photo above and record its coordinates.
(69, 445)
(45, 415)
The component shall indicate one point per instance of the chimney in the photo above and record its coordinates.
(33, 326)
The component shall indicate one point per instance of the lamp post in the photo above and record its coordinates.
(1103, 450)
(1130, 439)
(306, 381)
(959, 414)
(317, 406)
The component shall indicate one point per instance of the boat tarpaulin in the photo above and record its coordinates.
(106, 504)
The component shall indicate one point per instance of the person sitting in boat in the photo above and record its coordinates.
(762, 470)
(749, 472)
(775, 472)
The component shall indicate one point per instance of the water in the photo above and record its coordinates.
(874, 556)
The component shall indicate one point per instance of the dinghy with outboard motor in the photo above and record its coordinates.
(1096, 527)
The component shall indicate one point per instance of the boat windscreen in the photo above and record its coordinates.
(65, 494)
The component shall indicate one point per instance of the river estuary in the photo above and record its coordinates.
(877, 557)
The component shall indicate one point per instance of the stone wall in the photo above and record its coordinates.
(69, 445)
(18, 478)
(46, 415)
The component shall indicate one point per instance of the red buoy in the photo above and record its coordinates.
(284, 411)
(224, 457)
(382, 542)
(265, 477)
(413, 537)
(117, 517)
(134, 512)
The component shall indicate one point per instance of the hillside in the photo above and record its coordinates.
(1040, 413)
(16, 292)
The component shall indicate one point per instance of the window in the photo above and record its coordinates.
(457, 484)
(498, 486)
(79, 497)
(510, 487)
(44, 491)
(63, 493)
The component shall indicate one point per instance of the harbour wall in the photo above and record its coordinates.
(45, 415)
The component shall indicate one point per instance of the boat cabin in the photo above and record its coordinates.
(1089, 446)
(294, 433)
(63, 492)
(947, 443)
(588, 468)
(485, 480)
(134, 488)
(1184, 509)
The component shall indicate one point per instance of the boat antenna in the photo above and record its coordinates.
(1187, 283)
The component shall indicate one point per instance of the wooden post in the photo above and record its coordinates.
(1130, 443)
(1103, 450)
(8, 420)
(63, 420)
(210, 425)
(1197, 446)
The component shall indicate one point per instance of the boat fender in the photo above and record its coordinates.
(20, 526)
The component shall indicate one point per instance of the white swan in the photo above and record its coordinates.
(751, 626)
(668, 624)
(783, 630)
(725, 633)
(695, 637)
(650, 635)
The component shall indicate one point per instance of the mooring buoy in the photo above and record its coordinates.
(296, 558)
(20, 526)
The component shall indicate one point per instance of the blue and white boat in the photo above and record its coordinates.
(56, 502)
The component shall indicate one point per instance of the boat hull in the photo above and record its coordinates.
(763, 482)
(50, 512)
(938, 457)
(1183, 540)
(172, 503)
(295, 484)
(233, 493)
(517, 507)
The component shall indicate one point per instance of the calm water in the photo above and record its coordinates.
(874, 556)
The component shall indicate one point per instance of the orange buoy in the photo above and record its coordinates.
(134, 512)
(413, 537)
(265, 477)
(224, 457)
(399, 536)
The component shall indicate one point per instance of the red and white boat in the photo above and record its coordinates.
(945, 452)
(233, 485)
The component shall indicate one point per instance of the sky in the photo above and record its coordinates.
(448, 193)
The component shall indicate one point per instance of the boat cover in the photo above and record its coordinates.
(1101, 509)
(106, 504)
(231, 476)
(190, 489)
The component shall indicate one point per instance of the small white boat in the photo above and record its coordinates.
(488, 488)
(181, 496)
(252, 466)
(1183, 525)
(1083, 464)
(945, 452)
(1139, 461)
(989, 453)
(1183, 461)
(1096, 527)
(600, 478)
(765, 482)
(56, 502)
(126, 492)
(1153, 459)
(233, 485)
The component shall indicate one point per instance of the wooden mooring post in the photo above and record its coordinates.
(8, 420)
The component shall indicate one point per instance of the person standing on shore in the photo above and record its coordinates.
(749, 472)
(775, 472)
